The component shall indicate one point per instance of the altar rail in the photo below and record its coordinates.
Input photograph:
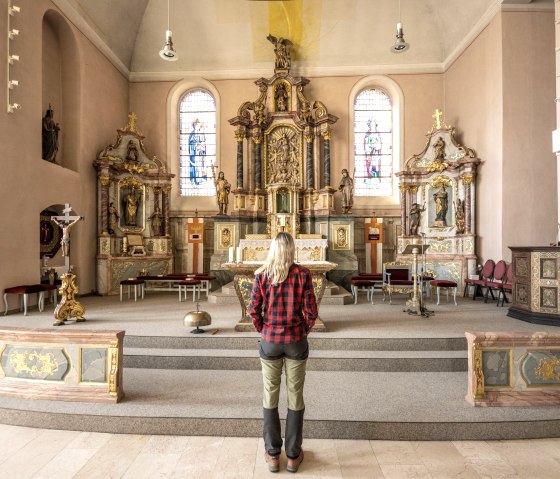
(61, 365)
(513, 369)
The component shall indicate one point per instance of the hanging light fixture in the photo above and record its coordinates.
(400, 45)
(168, 53)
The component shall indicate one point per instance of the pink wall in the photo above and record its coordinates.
(529, 172)
(29, 184)
(473, 104)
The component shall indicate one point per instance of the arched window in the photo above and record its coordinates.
(373, 144)
(197, 143)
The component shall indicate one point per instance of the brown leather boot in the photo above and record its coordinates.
(293, 464)
(272, 461)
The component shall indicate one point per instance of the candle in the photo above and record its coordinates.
(238, 255)
(230, 254)
(399, 27)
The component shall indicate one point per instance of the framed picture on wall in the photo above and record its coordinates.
(49, 234)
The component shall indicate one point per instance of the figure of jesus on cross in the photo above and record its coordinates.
(66, 222)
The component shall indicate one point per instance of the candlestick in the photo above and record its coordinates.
(230, 254)
(238, 257)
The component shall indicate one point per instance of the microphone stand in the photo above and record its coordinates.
(423, 310)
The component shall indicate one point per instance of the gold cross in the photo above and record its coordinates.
(438, 114)
(132, 119)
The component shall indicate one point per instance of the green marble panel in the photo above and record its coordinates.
(496, 368)
(93, 365)
(35, 362)
(541, 367)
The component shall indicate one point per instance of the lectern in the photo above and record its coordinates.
(416, 304)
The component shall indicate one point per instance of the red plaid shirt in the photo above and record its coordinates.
(284, 313)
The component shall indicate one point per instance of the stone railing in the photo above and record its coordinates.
(65, 365)
(513, 369)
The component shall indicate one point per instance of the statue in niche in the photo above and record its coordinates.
(282, 51)
(415, 214)
(281, 97)
(283, 201)
(346, 186)
(223, 188)
(156, 219)
(50, 130)
(113, 219)
(460, 216)
(131, 205)
(132, 152)
(441, 202)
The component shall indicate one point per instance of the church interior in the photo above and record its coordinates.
(407, 146)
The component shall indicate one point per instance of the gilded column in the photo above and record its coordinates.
(104, 180)
(467, 180)
(326, 158)
(309, 159)
(404, 226)
(258, 162)
(239, 137)
(165, 200)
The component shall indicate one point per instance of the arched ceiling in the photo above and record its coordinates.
(230, 35)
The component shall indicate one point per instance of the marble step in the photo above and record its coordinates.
(319, 360)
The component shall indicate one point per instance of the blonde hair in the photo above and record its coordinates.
(280, 258)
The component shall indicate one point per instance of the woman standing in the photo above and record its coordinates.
(283, 309)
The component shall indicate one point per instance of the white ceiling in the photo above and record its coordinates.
(229, 36)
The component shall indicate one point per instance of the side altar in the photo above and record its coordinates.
(243, 282)
(438, 199)
(132, 211)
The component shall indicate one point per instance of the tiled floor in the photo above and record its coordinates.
(43, 453)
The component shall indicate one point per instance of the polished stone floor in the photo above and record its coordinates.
(43, 453)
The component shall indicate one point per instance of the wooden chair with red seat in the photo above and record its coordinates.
(495, 284)
(506, 285)
(486, 275)
(397, 279)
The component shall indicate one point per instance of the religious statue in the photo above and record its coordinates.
(283, 201)
(113, 219)
(438, 164)
(415, 213)
(132, 152)
(346, 187)
(156, 219)
(66, 225)
(50, 136)
(131, 203)
(222, 190)
(460, 216)
(281, 97)
(441, 201)
(282, 51)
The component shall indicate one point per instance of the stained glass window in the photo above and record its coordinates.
(373, 144)
(197, 143)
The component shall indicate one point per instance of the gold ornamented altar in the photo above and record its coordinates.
(243, 282)
(438, 199)
(133, 211)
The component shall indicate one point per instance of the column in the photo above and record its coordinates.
(258, 162)
(239, 137)
(104, 180)
(467, 180)
(404, 226)
(165, 207)
(326, 158)
(309, 171)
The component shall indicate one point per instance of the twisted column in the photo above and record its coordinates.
(239, 137)
(309, 171)
(165, 200)
(104, 180)
(403, 189)
(326, 158)
(467, 180)
(258, 161)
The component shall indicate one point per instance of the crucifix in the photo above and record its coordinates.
(438, 116)
(66, 222)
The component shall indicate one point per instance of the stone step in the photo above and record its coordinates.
(319, 360)
(316, 342)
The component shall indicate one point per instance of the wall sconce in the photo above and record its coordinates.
(11, 59)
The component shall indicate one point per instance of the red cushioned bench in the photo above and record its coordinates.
(25, 290)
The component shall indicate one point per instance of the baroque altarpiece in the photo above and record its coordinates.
(284, 182)
(438, 199)
(133, 193)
